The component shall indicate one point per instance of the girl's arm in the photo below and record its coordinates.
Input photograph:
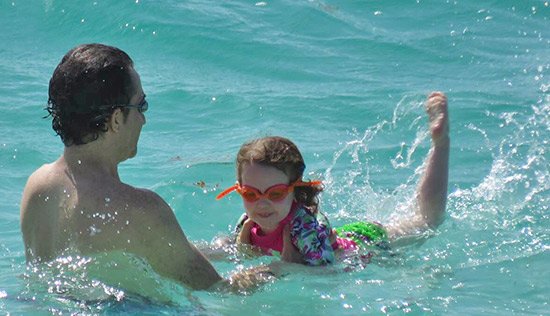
(290, 252)
(311, 238)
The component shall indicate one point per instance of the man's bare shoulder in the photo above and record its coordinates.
(44, 183)
(45, 176)
(146, 206)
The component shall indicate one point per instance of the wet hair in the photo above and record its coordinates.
(282, 154)
(90, 82)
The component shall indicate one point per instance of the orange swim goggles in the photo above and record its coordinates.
(275, 193)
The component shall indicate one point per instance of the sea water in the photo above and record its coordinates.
(346, 80)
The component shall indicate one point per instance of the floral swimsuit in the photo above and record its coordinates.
(310, 234)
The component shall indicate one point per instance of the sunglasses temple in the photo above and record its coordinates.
(227, 191)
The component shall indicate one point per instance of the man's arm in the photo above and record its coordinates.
(163, 243)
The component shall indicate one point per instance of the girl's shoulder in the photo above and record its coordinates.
(304, 216)
(310, 233)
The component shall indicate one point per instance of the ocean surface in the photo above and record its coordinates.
(346, 80)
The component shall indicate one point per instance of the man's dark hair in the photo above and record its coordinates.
(85, 89)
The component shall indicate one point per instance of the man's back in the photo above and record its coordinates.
(72, 209)
(75, 210)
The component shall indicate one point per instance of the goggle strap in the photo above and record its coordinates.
(301, 183)
(227, 191)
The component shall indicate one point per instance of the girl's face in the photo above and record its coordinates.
(264, 212)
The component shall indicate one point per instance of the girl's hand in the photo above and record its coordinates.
(243, 241)
(244, 234)
(290, 252)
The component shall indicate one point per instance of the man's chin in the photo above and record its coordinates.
(130, 156)
(133, 154)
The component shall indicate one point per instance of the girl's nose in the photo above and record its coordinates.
(263, 201)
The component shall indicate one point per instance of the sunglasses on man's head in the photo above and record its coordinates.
(275, 193)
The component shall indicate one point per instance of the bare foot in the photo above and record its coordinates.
(436, 106)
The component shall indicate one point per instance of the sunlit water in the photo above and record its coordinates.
(346, 81)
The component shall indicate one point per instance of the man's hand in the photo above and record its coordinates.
(246, 281)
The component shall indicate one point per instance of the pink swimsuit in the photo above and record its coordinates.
(309, 233)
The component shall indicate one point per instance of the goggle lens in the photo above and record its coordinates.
(275, 193)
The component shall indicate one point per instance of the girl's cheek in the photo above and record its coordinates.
(248, 205)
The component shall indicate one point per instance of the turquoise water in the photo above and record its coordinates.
(346, 81)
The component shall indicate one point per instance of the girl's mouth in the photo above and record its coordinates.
(264, 215)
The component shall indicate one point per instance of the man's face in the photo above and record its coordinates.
(135, 120)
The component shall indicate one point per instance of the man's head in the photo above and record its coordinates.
(90, 82)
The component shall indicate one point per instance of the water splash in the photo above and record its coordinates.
(506, 214)
(99, 283)
(352, 192)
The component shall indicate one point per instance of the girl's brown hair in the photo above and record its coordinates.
(283, 154)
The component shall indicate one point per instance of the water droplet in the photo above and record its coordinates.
(107, 200)
(94, 231)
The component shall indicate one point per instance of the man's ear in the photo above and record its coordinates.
(115, 120)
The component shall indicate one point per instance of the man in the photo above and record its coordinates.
(78, 204)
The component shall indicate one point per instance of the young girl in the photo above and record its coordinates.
(282, 209)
